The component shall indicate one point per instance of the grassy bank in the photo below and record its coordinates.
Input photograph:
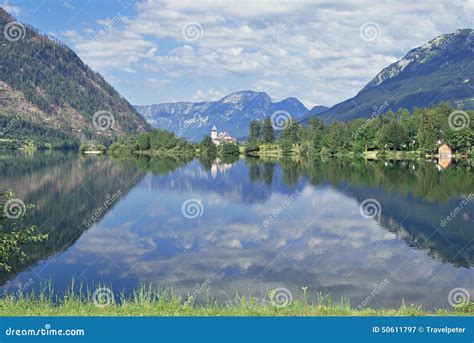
(149, 302)
(276, 151)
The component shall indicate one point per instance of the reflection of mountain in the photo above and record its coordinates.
(67, 192)
(315, 235)
(415, 197)
(418, 223)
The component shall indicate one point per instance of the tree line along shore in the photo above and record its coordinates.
(395, 135)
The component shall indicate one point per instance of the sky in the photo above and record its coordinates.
(321, 52)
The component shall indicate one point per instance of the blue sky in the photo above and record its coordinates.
(322, 52)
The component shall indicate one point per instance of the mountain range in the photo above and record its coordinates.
(46, 89)
(44, 83)
(232, 113)
(440, 70)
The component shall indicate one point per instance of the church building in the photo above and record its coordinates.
(221, 137)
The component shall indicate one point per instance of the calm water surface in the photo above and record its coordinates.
(261, 226)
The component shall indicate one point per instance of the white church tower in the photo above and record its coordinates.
(214, 132)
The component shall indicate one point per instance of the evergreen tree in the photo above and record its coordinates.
(335, 138)
(393, 136)
(315, 133)
(293, 132)
(268, 131)
(143, 141)
(255, 131)
(429, 131)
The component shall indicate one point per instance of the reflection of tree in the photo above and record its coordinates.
(268, 172)
(229, 158)
(161, 165)
(292, 171)
(260, 170)
(254, 165)
(66, 192)
(414, 197)
(206, 162)
(420, 179)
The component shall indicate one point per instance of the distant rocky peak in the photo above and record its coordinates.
(421, 55)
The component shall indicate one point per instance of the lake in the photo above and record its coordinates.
(372, 232)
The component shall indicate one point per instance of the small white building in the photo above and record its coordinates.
(221, 137)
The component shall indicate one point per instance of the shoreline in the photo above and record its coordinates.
(172, 308)
(297, 309)
(150, 301)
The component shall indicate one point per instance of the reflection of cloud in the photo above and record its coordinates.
(319, 240)
(337, 243)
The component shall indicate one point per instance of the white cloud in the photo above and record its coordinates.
(68, 5)
(15, 10)
(209, 94)
(314, 49)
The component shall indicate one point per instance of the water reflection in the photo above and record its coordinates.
(444, 162)
(315, 235)
(66, 190)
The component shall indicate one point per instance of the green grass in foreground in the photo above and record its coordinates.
(147, 301)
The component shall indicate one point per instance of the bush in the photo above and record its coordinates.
(230, 149)
(465, 307)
